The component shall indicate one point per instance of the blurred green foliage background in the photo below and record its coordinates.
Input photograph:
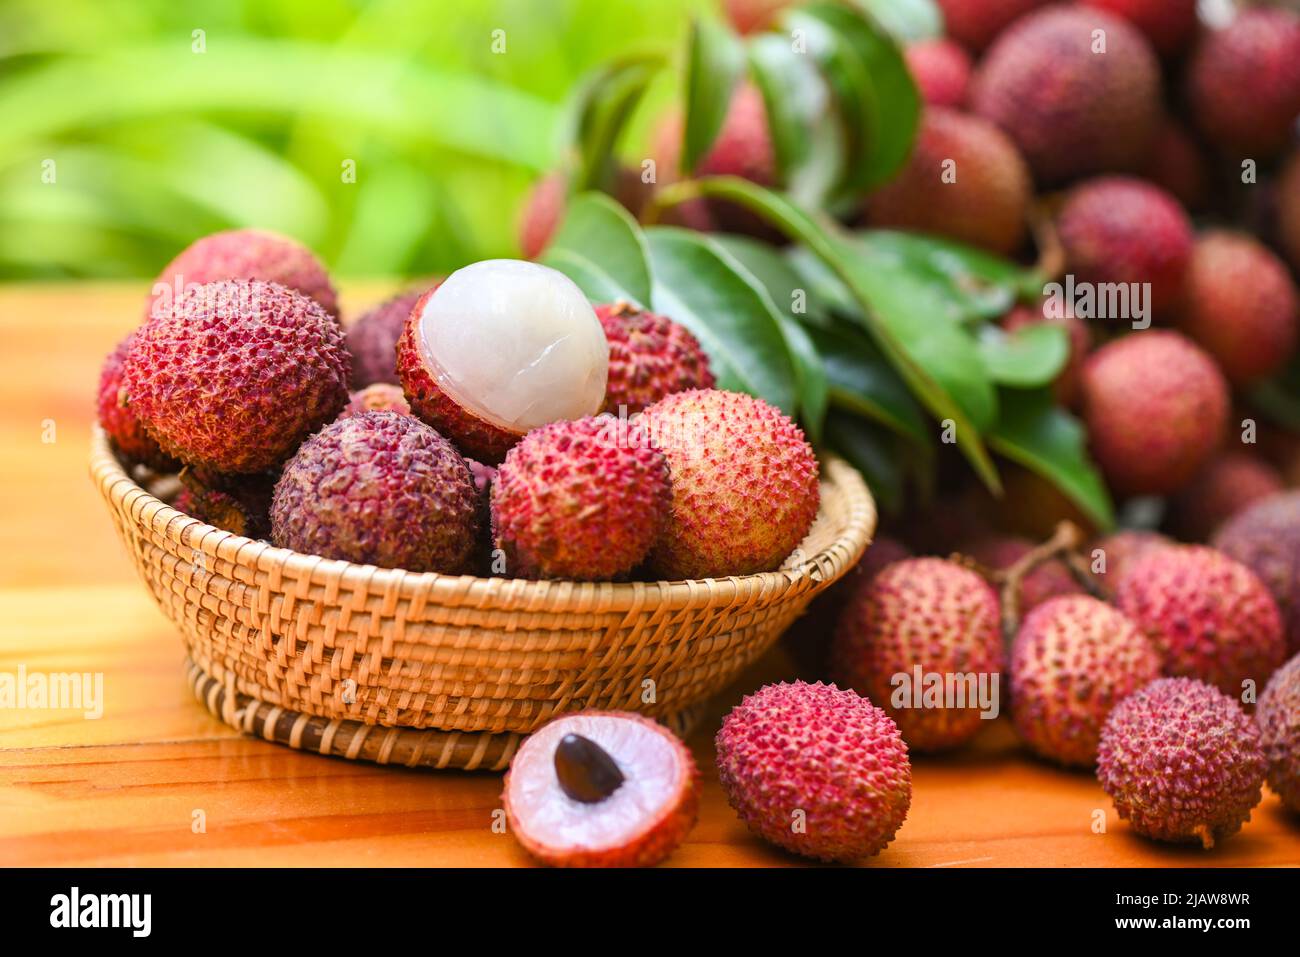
(120, 142)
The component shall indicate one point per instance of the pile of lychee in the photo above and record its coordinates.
(496, 422)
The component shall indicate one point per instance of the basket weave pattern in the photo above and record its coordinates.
(458, 654)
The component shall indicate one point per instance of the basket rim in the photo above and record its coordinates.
(126, 496)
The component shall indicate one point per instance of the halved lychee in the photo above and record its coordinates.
(602, 789)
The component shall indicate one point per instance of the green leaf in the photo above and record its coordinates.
(596, 284)
(872, 452)
(697, 283)
(1052, 443)
(862, 381)
(714, 63)
(1279, 397)
(906, 19)
(599, 230)
(599, 110)
(1028, 358)
(788, 288)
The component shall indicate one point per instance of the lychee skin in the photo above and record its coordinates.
(1182, 762)
(127, 434)
(1278, 717)
(379, 397)
(818, 771)
(1121, 549)
(1072, 661)
(1049, 580)
(237, 374)
(582, 500)
(1122, 230)
(1156, 407)
(927, 613)
(975, 23)
(247, 254)
(753, 16)
(382, 489)
(1208, 616)
(1265, 537)
(542, 214)
(744, 484)
(985, 206)
(941, 70)
(240, 504)
(1177, 165)
(650, 357)
(372, 340)
(1241, 306)
(1071, 111)
(1170, 25)
(1232, 482)
(743, 146)
(1244, 83)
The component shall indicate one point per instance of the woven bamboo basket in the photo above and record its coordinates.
(452, 671)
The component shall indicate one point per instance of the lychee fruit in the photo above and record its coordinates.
(379, 397)
(922, 620)
(1072, 661)
(240, 504)
(650, 357)
(1244, 83)
(236, 374)
(1156, 408)
(941, 70)
(582, 500)
(753, 16)
(382, 489)
(1288, 209)
(1265, 537)
(1182, 762)
(1071, 110)
(964, 180)
(543, 211)
(1049, 580)
(1177, 165)
(1229, 484)
(1278, 717)
(975, 23)
(815, 770)
(1069, 380)
(601, 789)
(744, 484)
(1241, 306)
(1112, 555)
(1170, 25)
(499, 348)
(372, 340)
(1208, 616)
(1118, 229)
(244, 254)
(125, 431)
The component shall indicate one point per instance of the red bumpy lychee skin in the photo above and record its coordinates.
(379, 397)
(1169, 25)
(638, 825)
(1120, 550)
(1072, 111)
(124, 429)
(240, 504)
(1232, 482)
(1266, 538)
(1049, 580)
(650, 357)
(974, 23)
(1117, 229)
(1240, 306)
(237, 374)
(818, 771)
(245, 254)
(1070, 378)
(1072, 661)
(1177, 165)
(1208, 616)
(372, 340)
(382, 489)
(542, 213)
(987, 203)
(1182, 762)
(1278, 717)
(923, 613)
(1244, 83)
(582, 500)
(1156, 407)
(941, 70)
(744, 484)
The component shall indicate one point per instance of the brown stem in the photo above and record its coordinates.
(1051, 252)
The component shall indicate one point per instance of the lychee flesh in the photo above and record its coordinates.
(924, 613)
(382, 489)
(650, 357)
(1071, 111)
(1118, 229)
(499, 348)
(124, 429)
(815, 770)
(639, 824)
(941, 70)
(582, 500)
(1241, 306)
(1169, 25)
(1266, 538)
(1156, 408)
(1072, 661)
(1182, 762)
(987, 203)
(246, 254)
(237, 374)
(372, 340)
(378, 397)
(975, 23)
(744, 484)
(1231, 483)
(1278, 717)
(1208, 616)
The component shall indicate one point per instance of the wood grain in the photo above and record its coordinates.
(125, 789)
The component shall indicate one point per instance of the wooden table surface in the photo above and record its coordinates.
(125, 789)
